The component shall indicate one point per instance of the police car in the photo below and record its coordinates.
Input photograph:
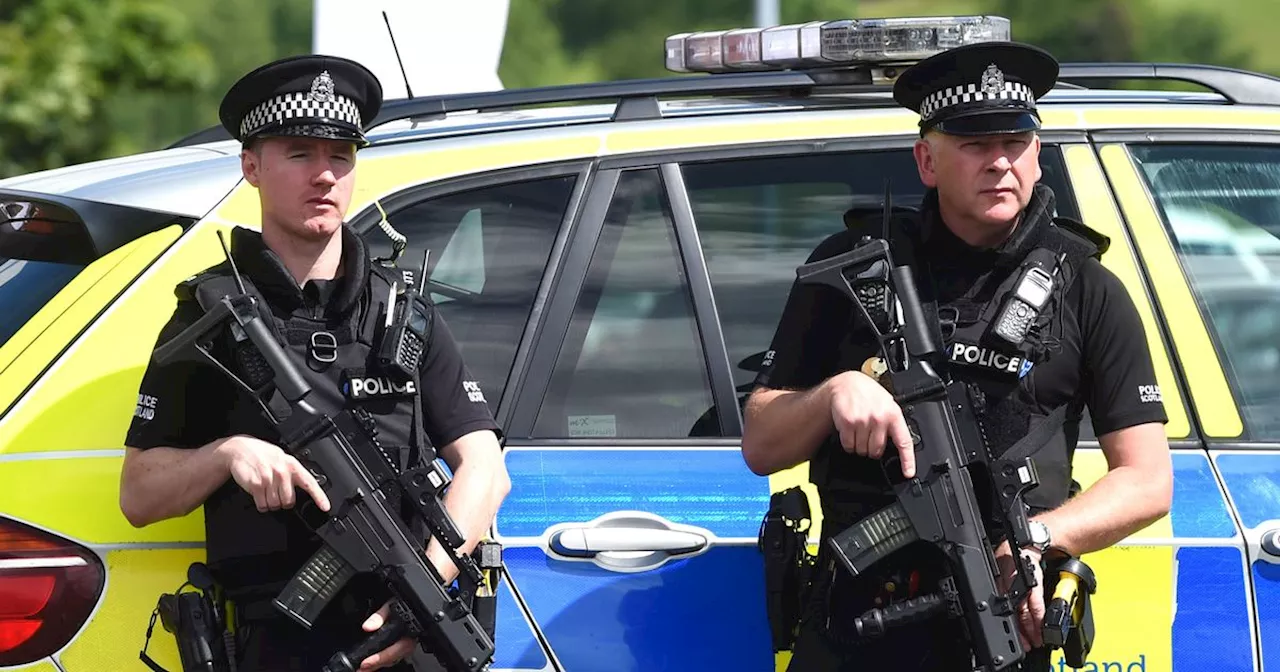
(613, 267)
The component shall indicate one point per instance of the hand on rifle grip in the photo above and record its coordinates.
(388, 645)
(868, 418)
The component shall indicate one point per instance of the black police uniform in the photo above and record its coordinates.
(329, 328)
(1090, 352)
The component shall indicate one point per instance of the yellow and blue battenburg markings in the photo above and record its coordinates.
(1253, 482)
(1174, 597)
(1211, 620)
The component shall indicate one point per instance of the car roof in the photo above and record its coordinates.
(194, 174)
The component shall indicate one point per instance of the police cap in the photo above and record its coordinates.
(978, 89)
(309, 95)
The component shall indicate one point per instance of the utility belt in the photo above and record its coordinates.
(209, 628)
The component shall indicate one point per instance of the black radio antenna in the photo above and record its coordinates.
(234, 271)
(888, 208)
(408, 91)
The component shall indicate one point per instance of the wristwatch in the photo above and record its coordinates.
(1040, 539)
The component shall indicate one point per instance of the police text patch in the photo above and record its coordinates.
(361, 387)
(986, 358)
(146, 408)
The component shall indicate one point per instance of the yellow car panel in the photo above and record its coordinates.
(1098, 211)
(25, 355)
(1195, 117)
(378, 176)
(1215, 403)
(79, 496)
(96, 381)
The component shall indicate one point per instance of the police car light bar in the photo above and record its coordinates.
(848, 42)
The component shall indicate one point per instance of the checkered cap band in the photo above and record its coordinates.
(970, 93)
(299, 105)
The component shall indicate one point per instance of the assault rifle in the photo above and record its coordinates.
(939, 504)
(360, 534)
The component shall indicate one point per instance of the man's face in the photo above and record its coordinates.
(984, 179)
(304, 184)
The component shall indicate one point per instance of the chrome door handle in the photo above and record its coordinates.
(625, 541)
(1270, 541)
(585, 542)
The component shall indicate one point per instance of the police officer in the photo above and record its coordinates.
(204, 441)
(982, 216)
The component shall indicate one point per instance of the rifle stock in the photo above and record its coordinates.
(939, 505)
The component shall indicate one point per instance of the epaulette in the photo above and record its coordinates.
(1076, 228)
(186, 290)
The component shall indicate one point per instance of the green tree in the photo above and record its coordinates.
(1122, 30)
(562, 41)
(61, 61)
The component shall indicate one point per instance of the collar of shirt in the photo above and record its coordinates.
(947, 250)
(263, 267)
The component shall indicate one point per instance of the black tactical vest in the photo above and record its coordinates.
(250, 552)
(852, 487)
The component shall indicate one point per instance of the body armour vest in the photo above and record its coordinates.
(253, 553)
(963, 291)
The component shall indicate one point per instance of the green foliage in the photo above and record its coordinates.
(1121, 30)
(61, 60)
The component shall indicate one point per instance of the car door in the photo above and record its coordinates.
(759, 216)
(630, 527)
(490, 243)
(1205, 210)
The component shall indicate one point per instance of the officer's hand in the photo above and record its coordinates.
(390, 655)
(1031, 611)
(269, 474)
(866, 415)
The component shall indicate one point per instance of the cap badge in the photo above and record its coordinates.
(322, 88)
(992, 81)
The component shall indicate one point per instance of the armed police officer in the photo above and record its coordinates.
(982, 215)
(204, 441)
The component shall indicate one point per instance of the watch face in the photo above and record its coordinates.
(1039, 534)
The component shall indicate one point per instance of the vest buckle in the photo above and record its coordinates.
(948, 316)
(324, 347)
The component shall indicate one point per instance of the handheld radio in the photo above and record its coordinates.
(408, 326)
(1030, 294)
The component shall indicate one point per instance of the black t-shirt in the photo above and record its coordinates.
(186, 404)
(1101, 362)
(189, 403)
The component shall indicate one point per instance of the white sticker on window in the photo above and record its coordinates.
(589, 426)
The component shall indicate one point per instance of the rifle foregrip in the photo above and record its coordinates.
(391, 631)
(307, 593)
(877, 622)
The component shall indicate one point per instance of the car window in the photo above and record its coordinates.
(631, 365)
(1221, 206)
(486, 250)
(760, 218)
(40, 253)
